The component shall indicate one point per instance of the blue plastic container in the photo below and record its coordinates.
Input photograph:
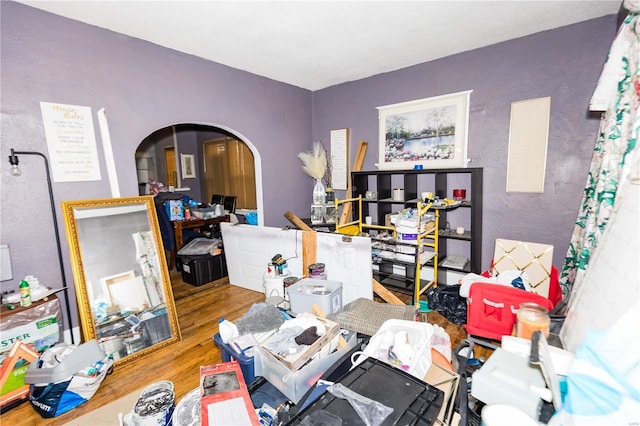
(228, 354)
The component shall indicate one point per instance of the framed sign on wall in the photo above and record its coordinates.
(188, 166)
(339, 158)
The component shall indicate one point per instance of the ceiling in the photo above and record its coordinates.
(317, 44)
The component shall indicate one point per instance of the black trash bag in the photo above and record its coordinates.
(446, 300)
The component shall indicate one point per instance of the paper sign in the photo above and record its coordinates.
(71, 142)
(339, 155)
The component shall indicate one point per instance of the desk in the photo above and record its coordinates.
(179, 225)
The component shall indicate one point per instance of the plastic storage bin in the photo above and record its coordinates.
(202, 269)
(199, 246)
(413, 401)
(228, 354)
(294, 384)
(308, 291)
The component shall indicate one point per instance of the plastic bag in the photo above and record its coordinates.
(511, 278)
(447, 301)
(441, 341)
(76, 373)
(283, 342)
(404, 344)
(371, 412)
(321, 418)
(252, 218)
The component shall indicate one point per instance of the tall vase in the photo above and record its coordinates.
(318, 192)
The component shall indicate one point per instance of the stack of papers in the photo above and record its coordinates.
(455, 262)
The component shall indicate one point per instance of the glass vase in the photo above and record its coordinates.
(318, 192)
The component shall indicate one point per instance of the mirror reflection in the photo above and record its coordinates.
(122, 283)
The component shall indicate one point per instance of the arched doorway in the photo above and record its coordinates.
(159, 157)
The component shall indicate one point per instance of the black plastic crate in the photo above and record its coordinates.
(202, 269)
(414, 402)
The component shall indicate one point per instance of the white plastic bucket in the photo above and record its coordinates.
(273, 286)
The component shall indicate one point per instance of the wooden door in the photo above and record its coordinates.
(170, 165)
(230, 170)
(216, 168)
(242, 174)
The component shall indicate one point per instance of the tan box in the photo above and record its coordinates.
(388, 220)
(447, 381)
(298, 360)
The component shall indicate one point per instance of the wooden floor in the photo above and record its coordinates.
(199, 309)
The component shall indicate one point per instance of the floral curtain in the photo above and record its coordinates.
(617, 93)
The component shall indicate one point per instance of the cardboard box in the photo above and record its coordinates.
(390, 219)
(441, 377)
(175, 209)
(295, 361)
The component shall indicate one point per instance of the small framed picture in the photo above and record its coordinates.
(188, 166)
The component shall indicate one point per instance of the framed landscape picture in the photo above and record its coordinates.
(431, 133)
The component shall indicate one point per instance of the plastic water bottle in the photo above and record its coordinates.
(227, 330)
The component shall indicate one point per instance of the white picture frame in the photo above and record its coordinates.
(188, 162)
(105, 282)
(428, 133)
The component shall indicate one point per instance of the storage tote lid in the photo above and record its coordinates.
(81, 357)
(199, 246)
(312, 285)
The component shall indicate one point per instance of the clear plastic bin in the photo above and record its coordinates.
(308, 291)
(294, 384)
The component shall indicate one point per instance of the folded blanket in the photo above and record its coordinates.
(367, 316)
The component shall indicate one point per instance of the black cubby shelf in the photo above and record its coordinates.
(441, 182)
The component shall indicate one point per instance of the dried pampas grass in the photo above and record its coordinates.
(314, 163)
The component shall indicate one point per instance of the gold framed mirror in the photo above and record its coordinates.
(120, 275)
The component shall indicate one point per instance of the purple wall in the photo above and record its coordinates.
(144, 87)
(564, 64)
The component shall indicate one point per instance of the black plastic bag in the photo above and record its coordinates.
(446, 300)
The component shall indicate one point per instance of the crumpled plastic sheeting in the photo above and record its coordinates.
(372, 413)
(603, 383)
(283, 340)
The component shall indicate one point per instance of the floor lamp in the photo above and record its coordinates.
(15, 171)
